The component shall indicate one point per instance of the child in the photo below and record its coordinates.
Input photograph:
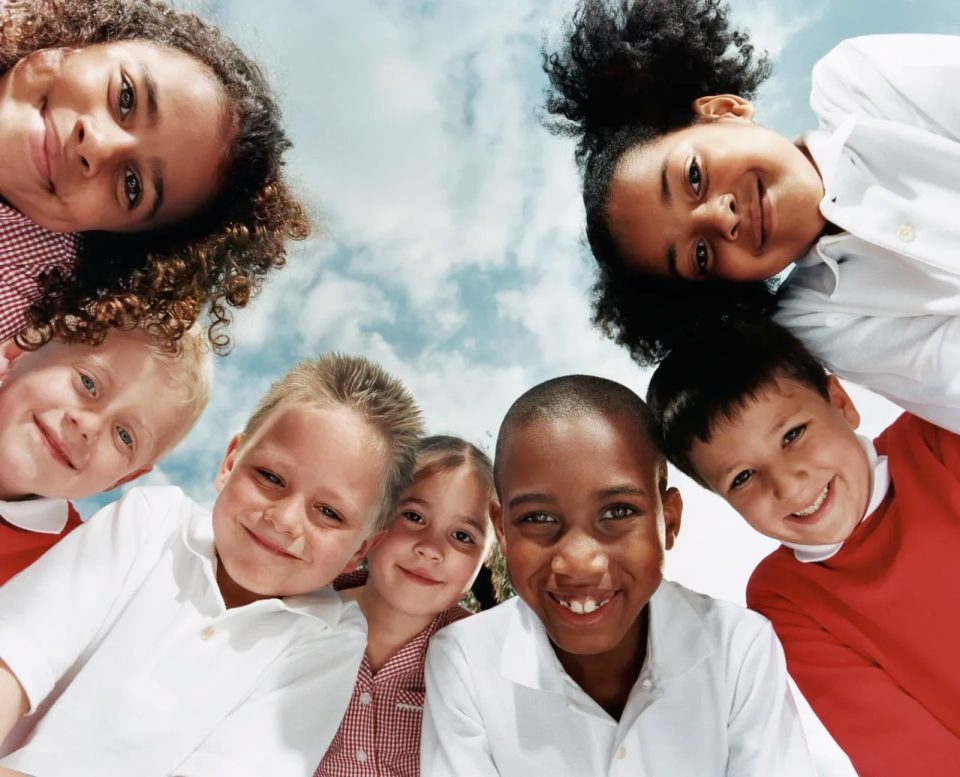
(692, 207)
(199, 644)
(600, 666)
(150, 135)
(420, 570)
(862, 590)
(76, 420)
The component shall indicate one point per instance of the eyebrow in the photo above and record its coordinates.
(533, 496)
(158, 192)
(666, 197)
(150, 86)
(153, 110)
(621, 490)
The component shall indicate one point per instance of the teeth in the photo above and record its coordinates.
(816, 505)
(584, 606)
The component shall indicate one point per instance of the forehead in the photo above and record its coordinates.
(454, 494)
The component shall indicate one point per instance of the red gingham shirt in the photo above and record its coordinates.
(380, 732)
(26, 250)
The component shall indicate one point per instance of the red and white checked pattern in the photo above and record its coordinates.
(26, 250)
(380, 733)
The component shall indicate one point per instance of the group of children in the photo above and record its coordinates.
(310, 621)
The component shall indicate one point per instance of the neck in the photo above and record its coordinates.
(608, 677)
(388, 629)
(234, 595)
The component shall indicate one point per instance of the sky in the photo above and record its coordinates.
(449, 226)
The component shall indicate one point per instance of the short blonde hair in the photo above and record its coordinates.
(366, 388)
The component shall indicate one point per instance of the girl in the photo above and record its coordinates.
(140, 171)
(692, 208)
(419, 571)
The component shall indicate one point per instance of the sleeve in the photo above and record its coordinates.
(51, 612)
(908, 79)
(453, 738)
(912, 361)
(882, 728)
(764, 730)
(286, 725)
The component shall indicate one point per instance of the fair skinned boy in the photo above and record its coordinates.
(76, 420)
(858, 590)
(600, 666)
(207, 644)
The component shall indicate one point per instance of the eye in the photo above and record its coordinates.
(329, 512)
(132, 188)
(409, 515)
(270, 477)
(740, 479)
(124, 436)
(794, 434)
(126, 97)
(88, 383)
(694, 177)
(537, 518)
(463, 537)
(701, 257)
(617, 512)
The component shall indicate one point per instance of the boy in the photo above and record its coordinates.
(862, 590)
(199, 644)
(600, 667)
(76, 420)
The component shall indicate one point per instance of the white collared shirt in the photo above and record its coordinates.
(878, 304)
(712, 699)
(44, 516)
(133, 665)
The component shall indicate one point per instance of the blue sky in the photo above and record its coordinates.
(449, 245)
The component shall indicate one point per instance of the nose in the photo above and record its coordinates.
(99, 142)
(578, 555)
(428, 547)
(81, 429)
(720, 214)
(786, 482)
(285, 516)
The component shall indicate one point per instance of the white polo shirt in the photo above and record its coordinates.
(712, 699)
(44, 516)
(133, 665)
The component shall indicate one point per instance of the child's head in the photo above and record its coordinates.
(691, 206)
(746, 411)
(441, 532)
(152, 133)
(76, 420)
(585, 513)
(315, 474)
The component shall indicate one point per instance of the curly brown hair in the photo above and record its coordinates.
(165, 279)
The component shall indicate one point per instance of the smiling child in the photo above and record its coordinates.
(862, 589)
(599, 666)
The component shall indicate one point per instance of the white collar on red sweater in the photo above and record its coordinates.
(44, 516)
(880, 484)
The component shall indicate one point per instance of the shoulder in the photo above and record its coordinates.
(772, 575)
(481, 634)
(910, 436)
(719, 619)
(158, 502)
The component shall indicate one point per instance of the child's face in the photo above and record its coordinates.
(76, 420)
(791, 464)
(118, 137)
(298, 501)
(432, 551)
(722, 199)
(583, 527)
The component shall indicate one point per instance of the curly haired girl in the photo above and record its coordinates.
(692, 208)
(140, 172)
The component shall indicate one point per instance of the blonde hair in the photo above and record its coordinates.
(366, 388)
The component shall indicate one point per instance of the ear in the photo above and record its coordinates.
(9, 353)
(229, 459)
(132, 476)
(724, 106)
(672, 512)
(365, 547)
(840, 399)
(496, 516)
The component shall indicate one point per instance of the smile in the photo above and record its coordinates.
(817, 505)
(760, 213)
(38, 149)
(419, 577)
(595, 605)
(53, 446)
(267, 545)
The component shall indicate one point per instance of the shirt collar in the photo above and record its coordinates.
(676, 642)
(324, 604)
(879, 485)
(44, 516)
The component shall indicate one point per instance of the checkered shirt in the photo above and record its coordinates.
(26, 250)
(380, 732)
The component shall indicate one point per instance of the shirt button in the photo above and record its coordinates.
(906, 233)
(207, 632)
(622, 753)
(365, 699)
(361, 756)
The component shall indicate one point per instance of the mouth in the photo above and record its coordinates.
(766, 213)
(267, 545)
(421, 578)
(53, 445)
(759, 212)
(51, 145)
(38, 141)
(816, 508)
(582, 609)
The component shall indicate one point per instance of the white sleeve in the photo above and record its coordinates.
(287, 723)
(910, 79)
(51, 611)
(912, 361)
(764, 731)
(453, 739)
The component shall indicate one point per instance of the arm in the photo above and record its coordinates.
(453, 739)
(908, 79)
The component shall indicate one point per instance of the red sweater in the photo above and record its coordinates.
(872, 635)
(19, 548)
